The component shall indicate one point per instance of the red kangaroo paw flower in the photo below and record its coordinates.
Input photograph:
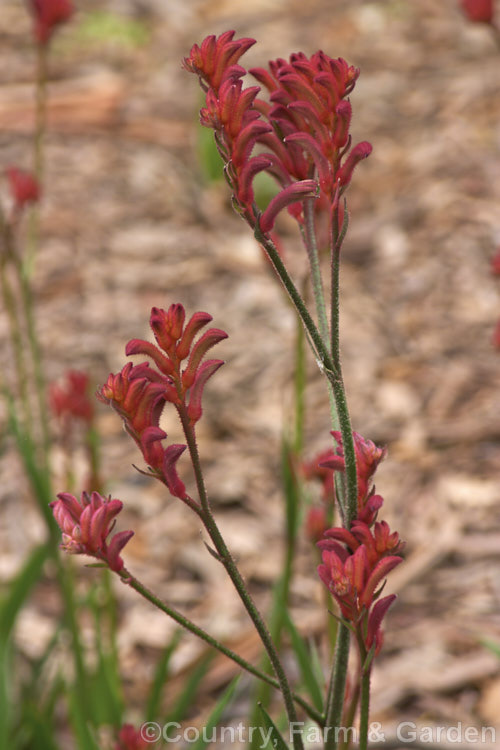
(47, 15)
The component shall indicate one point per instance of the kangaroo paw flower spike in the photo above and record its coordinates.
(355, 582)
(139, 392)
(47, 15)
(87, 524)
(304, 126)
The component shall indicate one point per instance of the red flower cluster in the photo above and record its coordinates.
(86, 525)
(71, 400)
(139, 392)
(368, 457)
(23, 186)
(478, 11)
(305, 127)
(47, 15)
(356, 560)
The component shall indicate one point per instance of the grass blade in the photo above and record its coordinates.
(305, 664)
(215, 716)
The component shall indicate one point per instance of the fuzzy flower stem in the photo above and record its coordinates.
(190, 626)
(349, 499)
(34, 348)
(227, 560)
(320, 349)
(364, 709)
(14, 323)
(309, 236)
(336, 690)
(313, 255)
(41, 110)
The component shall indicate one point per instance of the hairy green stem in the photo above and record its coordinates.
(186, 623)
(227, 560)
(310, 242)
(364, 715)
(336, 689)
(313, 255)
(320, 349)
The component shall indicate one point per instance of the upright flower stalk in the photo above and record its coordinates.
(299, 134)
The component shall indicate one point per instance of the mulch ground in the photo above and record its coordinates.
(130, 220)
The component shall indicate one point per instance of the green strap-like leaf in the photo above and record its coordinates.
(305, 662)
(276, 738)
(214, 718)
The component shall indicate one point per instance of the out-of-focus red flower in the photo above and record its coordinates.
(47, 15)
(71, 399)
(478, 11)
(304, 126)
(86, 525)
(139, 392)
(316, 523)
(495, 263)
(130, 738)
(316, 469)
(23, 186)
(496, 336)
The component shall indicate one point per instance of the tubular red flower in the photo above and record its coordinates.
(209, 339)
(379, 611)
(195, 324)
(295, 192)
(203, 373)
(358, 153)
(170, 457)
(343, 111)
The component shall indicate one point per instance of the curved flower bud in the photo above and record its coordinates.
(294, 193)
(139, 346)
(358, 153)
(311, 146)
(209, 339)
(381, 570)
(343, 110)
(116, 545)
(203, 373)
(170, 457)
(373, 633)
(195, 324)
